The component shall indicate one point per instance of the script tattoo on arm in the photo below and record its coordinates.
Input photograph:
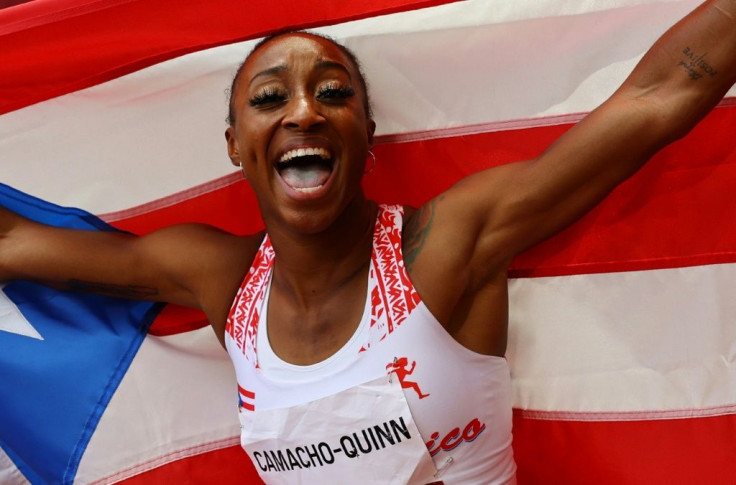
(123, 291)
(695, 64)
(416, 231)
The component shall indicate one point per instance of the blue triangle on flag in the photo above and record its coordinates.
(55, 388)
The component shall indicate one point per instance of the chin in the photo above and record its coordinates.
(310, 220)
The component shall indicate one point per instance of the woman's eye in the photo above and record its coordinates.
(334, 92)
(267, 97)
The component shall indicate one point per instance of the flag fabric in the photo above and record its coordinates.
(63, 355)
(622, 340)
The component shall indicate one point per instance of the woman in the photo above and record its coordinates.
(352, 327)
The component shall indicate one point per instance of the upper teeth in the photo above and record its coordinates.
(305, 152)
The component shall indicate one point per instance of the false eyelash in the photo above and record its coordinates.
(333, 91)
(267, 96)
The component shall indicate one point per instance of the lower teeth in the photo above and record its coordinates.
(308, 190)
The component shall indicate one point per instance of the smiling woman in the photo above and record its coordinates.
(356, 329)
(296, 94)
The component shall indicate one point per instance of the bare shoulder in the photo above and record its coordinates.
(452, 227)
(439, 244)
(436, 251)
(209, 263)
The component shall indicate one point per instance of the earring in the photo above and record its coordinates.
(242, 171)
(373, 165)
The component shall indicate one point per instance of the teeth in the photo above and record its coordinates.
(308, 190)
(304, 152)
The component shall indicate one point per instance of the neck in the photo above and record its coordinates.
(310, 267)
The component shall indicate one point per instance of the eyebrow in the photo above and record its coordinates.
(320, 64)
(334, 65)
(269, 71)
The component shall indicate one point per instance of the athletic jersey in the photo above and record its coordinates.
(459, 399)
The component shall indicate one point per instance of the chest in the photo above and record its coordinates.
(309, 332)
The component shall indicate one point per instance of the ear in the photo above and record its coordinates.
(370, 130)
(233, 150)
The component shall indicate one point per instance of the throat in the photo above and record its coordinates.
(306, 331)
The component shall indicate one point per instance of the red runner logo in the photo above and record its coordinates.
(400, 367)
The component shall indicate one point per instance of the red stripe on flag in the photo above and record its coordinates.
(226, 466)
(41, 60)
(175, 319)
(231, 206)
(683, 192)
(675, 451)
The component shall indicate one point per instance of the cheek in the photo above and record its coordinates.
(254, 136)
(357, 130)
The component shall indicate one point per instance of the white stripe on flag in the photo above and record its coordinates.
(631, 345)
(9, 473)
(457, 65)
(178, 399)
(640, 345)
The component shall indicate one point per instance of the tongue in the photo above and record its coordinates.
(305, 176)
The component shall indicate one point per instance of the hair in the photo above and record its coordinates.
(348, 53)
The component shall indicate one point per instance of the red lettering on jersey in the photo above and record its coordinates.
(454, 437)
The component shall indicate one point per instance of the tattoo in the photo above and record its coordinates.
(415, 232)
(695, 64)
(123, 291)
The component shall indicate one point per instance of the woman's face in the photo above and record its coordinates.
(301, 133)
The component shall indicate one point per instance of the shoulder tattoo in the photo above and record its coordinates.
(415, 232)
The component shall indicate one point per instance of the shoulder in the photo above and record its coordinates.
(209, 262)
(437, 229)
(417, 225)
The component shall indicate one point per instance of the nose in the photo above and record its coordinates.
(302, 113)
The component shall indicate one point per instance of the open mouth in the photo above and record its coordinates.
(305, 169)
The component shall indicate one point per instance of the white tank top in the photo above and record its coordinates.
(459, 399)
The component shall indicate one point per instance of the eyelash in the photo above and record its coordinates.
(267, 96)
(325, 93)
(335, 91)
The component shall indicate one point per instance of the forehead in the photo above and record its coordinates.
(290, 50)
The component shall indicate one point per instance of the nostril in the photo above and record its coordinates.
(303, 119)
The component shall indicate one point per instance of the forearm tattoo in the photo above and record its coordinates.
(696, 65)
(124, 291)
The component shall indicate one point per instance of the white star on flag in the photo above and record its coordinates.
(12, 320)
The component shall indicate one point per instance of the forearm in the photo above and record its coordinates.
(33, 251)
(690, 68)
(8, 221)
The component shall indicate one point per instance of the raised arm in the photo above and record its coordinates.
(680, 79)
(459, 245)
(192, 265)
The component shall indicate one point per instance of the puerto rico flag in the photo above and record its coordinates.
(622, 342)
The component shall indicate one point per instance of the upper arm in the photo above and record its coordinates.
(504, 210)
(497, 213)
(177, 264)
(524, 203)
